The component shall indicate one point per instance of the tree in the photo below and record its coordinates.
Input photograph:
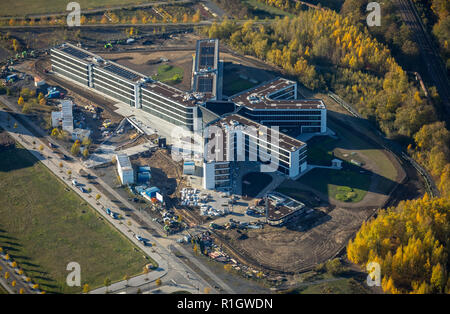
(75, 150)
(13, 283)
(85, 153)
(86, 142)
(55, 132)
(86, 288)
(185, 18)
(227, 267)
(97, 197)
(126, 278)
(42, 102)
(26, 109)
(20, 101)
(438, 279)
(7, 275)
(145, 271)
(41, 147)
(158, 282)
(196, 17)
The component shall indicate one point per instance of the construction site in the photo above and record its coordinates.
(301, 227)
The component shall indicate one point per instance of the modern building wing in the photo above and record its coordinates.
(206, 76)
(237, 138)
(127, 86)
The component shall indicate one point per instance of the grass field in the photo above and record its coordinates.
(44, 225)
(23, 7)
(338, 182)
(169, 74)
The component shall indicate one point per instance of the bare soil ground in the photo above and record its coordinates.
(288, 249)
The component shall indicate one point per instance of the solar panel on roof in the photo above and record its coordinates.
(205, 84)
(75, 52)
(207, 50)
(122, 72)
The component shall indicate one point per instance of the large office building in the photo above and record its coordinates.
(235, 138)
(126, 86)
(272, 103)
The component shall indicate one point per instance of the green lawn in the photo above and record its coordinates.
(343, 185)
(169, 74)
(23, 7)
(44, 225)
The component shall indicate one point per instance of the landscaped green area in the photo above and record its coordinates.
(45, 225)
(343, 185)
(23, 7)
(169, 74)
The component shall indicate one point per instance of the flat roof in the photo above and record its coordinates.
(124, 161)
(176, 95)
(285, 141)
(261, 99)
(206, 66)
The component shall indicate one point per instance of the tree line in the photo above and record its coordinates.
(410, 242)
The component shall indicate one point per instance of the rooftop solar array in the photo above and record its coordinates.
(206, 60)
(207, 50)
(121, 72)
(75, 52)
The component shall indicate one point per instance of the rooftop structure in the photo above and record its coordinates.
(125, 169)
(279, 93)
(281, 208)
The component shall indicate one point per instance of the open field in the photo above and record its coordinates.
(45, 225)
(23, 7)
